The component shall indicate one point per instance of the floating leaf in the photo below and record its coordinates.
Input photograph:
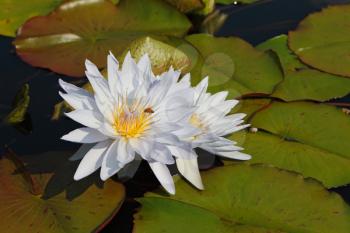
(322, 40)
(63, 40)
(329, 168)
(14, 13)
(288, 59)
(311, 139)
(312, 84)
(301, 82)
(234, 65)
(21, 200)
(322, 126)
(250, 106)
(240, 198)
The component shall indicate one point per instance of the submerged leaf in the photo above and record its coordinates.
(63, 40)
(20, 197)
(322, 40)
(19, 106)
(240, 198)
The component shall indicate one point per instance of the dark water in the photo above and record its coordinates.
(254, 23)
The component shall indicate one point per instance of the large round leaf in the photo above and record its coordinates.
(311, 139)
(311, 84)
(322, 126)
(81, 29)
(301, 82)
(24, 209)
(322, 40)
(14, 13)
(234, 65)
(240, 198)
(327, 167)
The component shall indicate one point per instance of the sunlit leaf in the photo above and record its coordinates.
(242, 199)
(311, 139)
(24, 209)
(164, 52)
(14, 13)
(81, 29)
(322, 40)
(234, 65)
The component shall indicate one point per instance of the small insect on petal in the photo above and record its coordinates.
(149, 110)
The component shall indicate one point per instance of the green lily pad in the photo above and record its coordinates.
(322, 40)
(250, 106)
(310, 84)
(24, 209)
(234, 65)
(14, 13)
(241, 198)
(288, 59)
(302, 82)
(327, 167)
(308, 138)
(322, 126)
(63, 40)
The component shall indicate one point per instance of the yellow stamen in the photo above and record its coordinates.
(131, 123)
(196, 121)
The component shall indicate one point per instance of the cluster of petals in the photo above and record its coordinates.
(134, 115)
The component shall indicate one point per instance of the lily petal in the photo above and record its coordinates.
(85, 135)
(88, 118)
(92, 160)
(80, 153)
(235, 155)
(163, 175)
(189, 169)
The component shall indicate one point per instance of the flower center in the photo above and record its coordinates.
(196, 121)
(130, 123)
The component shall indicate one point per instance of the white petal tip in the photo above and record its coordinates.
(170, 190)
(103, 178)
(199, 186)
(78, 177)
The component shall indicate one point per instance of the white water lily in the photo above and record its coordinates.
(211, 120)
(132, 115)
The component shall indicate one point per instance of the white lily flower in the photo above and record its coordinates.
(212, 121)
(132, 115)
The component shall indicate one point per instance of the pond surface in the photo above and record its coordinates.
(254, 23)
